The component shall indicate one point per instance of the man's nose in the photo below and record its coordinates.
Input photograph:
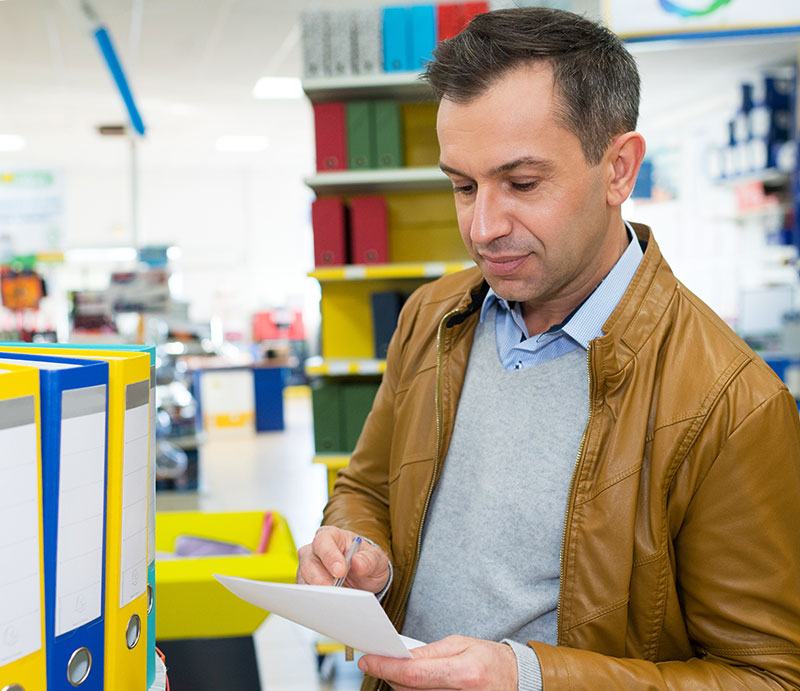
(490, 219)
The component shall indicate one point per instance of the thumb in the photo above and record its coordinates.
(369, 560)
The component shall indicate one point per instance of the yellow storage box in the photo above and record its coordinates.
(190, 603)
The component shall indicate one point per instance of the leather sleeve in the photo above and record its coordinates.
(360, 499)
(737, 556)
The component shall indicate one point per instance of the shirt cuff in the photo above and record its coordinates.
(388, 585)
(529, 674)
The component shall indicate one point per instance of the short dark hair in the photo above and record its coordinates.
(596, 79)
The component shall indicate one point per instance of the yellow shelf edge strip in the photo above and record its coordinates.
(343, 368)
(360, 272)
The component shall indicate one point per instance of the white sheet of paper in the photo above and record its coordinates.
(353, 617)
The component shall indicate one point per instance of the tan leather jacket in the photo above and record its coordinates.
(681, 547)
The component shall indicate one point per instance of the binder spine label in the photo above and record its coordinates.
(133, 561)
(81, 497)
(151, 476)
(20, 587)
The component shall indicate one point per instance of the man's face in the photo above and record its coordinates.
(532, 212)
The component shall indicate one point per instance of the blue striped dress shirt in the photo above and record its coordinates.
(518, 349)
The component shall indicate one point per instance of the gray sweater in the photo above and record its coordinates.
(490, 560)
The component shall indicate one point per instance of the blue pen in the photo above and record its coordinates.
(354, 545)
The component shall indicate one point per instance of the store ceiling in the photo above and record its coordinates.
(193, 65)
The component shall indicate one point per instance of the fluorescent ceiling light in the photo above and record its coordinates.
(242, 143)
(11, 142)
(275, 88)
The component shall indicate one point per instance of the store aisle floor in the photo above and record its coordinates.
(242, 472)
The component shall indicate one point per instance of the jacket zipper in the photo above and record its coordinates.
(568, 512)
(438, 405)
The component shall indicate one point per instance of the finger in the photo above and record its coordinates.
(330, 545)
(310, 570)
(313, 572)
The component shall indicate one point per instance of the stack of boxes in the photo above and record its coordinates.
(388, 39)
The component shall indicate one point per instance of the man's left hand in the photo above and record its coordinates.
(455, 662)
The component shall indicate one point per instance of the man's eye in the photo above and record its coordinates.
(463, 189)
(524, 186)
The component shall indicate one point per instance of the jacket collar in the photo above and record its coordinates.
(641, 307)
(633, 319)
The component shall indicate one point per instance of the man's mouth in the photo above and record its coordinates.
(504, 265)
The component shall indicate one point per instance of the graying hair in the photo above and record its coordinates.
(595, 78)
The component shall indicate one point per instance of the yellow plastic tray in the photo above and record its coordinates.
(190, 602)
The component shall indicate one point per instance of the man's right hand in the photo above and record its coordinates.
(323, 561)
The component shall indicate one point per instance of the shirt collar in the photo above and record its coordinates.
(586, 321)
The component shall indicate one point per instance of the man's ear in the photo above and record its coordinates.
(625, 155)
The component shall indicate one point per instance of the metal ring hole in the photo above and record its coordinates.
(13, 687)
(150, 599)
(134, 631)
(79, 666)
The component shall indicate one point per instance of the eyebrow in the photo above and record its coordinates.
(505, 167)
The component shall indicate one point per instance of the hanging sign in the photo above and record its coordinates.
(31, 211)
(662, 19)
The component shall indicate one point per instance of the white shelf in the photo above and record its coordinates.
(378, 180)
(769, 176)
(395, 85)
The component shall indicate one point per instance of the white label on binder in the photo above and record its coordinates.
(20, 587)
(81, 495)
(133, 563)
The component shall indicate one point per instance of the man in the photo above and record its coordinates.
(571, 461)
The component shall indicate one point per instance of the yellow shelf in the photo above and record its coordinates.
(333, 462)
(361, 272)
(361, 366)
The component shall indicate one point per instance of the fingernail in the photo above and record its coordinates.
(362, 665)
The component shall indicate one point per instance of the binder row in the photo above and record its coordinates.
(350, 234)
(77, 517)
(388, 39)
(340, 407)
(358, 135)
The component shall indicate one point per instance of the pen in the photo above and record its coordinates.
(354, 545)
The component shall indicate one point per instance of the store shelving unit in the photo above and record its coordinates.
(333, 463)
(422, 231)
